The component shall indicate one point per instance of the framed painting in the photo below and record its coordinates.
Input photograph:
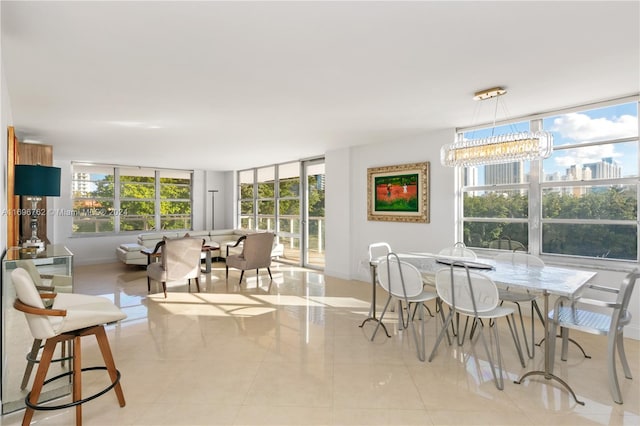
(398, 193)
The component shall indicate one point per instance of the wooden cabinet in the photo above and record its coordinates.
(19, 226)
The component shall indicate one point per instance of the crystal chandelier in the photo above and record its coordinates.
(505, 148)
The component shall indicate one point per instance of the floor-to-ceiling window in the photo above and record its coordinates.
(287, 199)
(314, 229)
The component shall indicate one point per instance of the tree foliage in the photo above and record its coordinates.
(592, 239)
(138, 205)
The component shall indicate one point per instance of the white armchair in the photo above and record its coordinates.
(585, 314)
(256, 254)
(180, 260)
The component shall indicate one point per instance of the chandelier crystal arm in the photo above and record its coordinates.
(505, 148)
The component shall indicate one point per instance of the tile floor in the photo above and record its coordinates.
(291, 353)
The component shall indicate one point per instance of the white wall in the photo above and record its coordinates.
(223, 203)
(349, 233)
(338, 235)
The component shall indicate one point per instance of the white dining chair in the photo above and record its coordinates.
(403, 281)
(458, 250)
(476, 296)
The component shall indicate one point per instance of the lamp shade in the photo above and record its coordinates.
(36, 180)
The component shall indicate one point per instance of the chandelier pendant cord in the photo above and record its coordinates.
(495, 115)
(504, 148)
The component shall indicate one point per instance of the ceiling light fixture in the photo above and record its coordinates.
(505, 148)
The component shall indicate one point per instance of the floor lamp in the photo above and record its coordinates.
(35, 182)
(213, 207)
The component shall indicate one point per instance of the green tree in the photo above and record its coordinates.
(582, 239)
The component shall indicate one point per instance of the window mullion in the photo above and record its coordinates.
(116, 198)
(535, 199)
(156, 199)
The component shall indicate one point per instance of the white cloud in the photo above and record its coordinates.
(579, 127)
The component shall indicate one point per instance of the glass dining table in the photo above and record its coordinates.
(546, 281)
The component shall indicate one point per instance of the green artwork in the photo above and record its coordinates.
(397, 193)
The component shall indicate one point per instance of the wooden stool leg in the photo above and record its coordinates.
(32, 355)
(45, 361)
(105, 349)
(77, 377)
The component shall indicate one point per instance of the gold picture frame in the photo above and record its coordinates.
(398, 193)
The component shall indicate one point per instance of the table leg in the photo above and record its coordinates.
(547, 356)
(372, 311)
(207, 262)
(148, 278)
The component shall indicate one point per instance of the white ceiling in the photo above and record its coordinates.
(231, 85)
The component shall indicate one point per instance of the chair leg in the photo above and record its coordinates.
(226, 272)
(497, 376)
(534, 304)
(164, 289)
(500, 382)
(516, 340)
(241, 275)
(77, 378)
(614, 386)
(105, 349)
(198, 284)
(426, 307)
(445, 331)
(564, 333)
(401, 323)
(32, 356)
(439, 310)
(530, 351)
(623, 356)
(43, 367)
(429, 311)
(269, 271)
(76, 371)
(420, 347)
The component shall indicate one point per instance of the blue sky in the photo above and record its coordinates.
(613, 122)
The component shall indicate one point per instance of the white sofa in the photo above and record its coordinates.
(130, 253)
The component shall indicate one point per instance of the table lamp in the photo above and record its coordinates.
(35, 182)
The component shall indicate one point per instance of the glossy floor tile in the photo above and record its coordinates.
(291, 352)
